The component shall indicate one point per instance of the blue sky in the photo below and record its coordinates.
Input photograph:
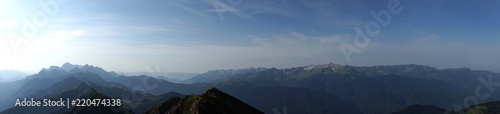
(201, 35)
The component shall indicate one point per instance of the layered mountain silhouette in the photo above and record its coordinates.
(325, 88)
(135, 101)
(78, 91)
(11, 75)
(47, 77)
(89, 85)
(391, 88)
(217, 75)
(176, 77)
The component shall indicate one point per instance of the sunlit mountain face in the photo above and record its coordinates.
(250, 56)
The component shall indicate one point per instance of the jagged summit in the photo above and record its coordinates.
(66, 67)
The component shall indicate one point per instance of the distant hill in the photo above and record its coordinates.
(176, 77)
(157, 86)
(213, 101)
(7, 89)
(12, 75)
(218, 75)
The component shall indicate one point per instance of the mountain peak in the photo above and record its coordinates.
(65, 67)
(213, 101)
(68, 66)
(213, 91)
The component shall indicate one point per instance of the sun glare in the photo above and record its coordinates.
(6, 18)
(3, 4)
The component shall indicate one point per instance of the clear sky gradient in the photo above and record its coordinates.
(200, 35)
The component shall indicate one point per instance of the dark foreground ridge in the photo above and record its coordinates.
(484, 108)
(213, 101)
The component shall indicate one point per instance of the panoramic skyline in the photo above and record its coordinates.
(196, 36)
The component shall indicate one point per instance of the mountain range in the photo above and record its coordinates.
(218, 75)
(176, 77)
(325, 88)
